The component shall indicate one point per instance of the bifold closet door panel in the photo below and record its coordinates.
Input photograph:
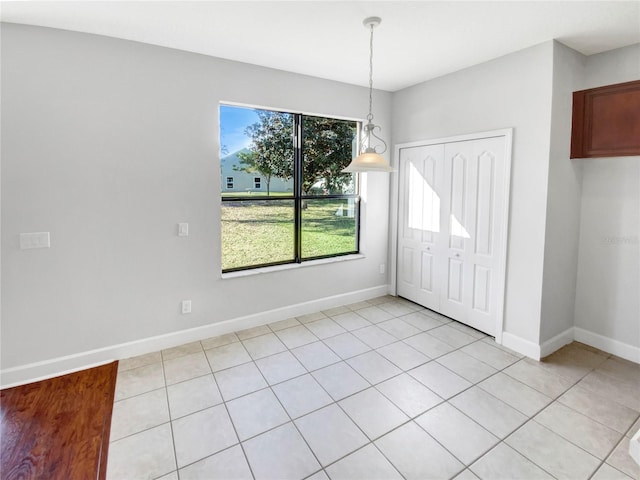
(473, 178)
(457, 228)
(486, 248)
(419, 233)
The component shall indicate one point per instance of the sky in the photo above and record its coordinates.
(233, 122)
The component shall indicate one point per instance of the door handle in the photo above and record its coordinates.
(457, 254)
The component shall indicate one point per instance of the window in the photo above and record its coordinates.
(306, 208)
(229, 183)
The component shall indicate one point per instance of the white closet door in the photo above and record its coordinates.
(485, 247)
(456, 227)
(419, 235)
(451, 228)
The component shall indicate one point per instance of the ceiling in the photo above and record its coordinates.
(416, 41)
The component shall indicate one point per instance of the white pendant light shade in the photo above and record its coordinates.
(368, 162)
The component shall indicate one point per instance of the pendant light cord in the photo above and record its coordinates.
(370, 116)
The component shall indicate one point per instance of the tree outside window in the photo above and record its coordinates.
(290, 201)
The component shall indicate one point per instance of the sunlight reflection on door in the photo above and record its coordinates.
(457, 229)
(423, 202)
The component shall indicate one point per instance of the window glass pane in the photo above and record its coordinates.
(328, 146)
(329, 227)
(257, 232)
(258, 160)
(257, 149)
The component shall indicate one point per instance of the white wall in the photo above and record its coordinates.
(607, 311)
(615, 66)
(563, 203)
(609, 263)
(511, 91)
(108, 144)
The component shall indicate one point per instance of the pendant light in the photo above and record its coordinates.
(369, 158)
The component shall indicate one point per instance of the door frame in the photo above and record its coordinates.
(507, 133)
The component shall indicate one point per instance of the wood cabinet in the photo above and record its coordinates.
(606, 121)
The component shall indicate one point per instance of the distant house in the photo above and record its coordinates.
(236, 180)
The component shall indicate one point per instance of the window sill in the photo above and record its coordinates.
(292, 266)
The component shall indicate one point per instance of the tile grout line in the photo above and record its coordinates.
(554, 399)
(173, 440)
(290, 421)
(529, 418)
(310, 372)
(269, 386)
(530, 459)
(235, 431)
(336, 402)
(447, 401)
(410, 419)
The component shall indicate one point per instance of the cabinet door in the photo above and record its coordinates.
(606, 121)
(420, 245)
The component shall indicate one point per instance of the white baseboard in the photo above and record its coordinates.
(520, 345)
(609, 345)
(557, 342)
(62, 365)
(606, 344)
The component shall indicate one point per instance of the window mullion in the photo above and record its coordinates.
(297, 185)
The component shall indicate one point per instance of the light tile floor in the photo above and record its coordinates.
(382, 389)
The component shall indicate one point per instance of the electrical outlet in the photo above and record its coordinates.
(35, 240)
(186, 307)
(382, 266)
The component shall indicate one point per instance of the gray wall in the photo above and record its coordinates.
(108, 144)
(608, 282)
(511, 91)
(615, 66)
(563, 200)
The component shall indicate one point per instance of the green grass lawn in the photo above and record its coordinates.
(262, 232)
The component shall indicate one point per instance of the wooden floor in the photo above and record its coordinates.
(58, 428)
